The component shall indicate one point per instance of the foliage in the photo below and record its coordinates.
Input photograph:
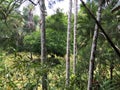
(55, 42)
(18, 71)
(58, 20)
(32, 42)
(55, 36)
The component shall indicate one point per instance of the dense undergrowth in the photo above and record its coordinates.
(19, 72)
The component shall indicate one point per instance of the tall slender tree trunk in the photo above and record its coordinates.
(68, 44)
(93, 49)
(75, 34)
(43, 40)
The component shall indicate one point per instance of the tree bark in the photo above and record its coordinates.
(75, 35)
(93, 50)
(68, 45)
(43, 42)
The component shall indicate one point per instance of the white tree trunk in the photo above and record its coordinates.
(75, 35)
(93, 50)
(68, 44)
(43, 41)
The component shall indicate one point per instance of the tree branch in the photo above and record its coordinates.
(34, 3)
(101, 28)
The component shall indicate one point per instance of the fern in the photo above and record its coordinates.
(109, 85)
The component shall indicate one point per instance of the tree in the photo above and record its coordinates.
(68, 45)
(10, 20)
(55, 36)
(93, 49)
(43, 41)
(58, 20)
(75, 38)
(102, 30)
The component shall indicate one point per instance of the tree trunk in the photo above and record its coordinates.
(75, 40)
(93, 50)
(111, 70)
(68, 44)
(43, 40)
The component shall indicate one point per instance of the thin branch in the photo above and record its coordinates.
(34, 3)
(101, 28)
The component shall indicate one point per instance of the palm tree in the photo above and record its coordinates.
(43, 42)
(75, 40)
(68, 44)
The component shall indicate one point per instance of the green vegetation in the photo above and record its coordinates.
(20, 47)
